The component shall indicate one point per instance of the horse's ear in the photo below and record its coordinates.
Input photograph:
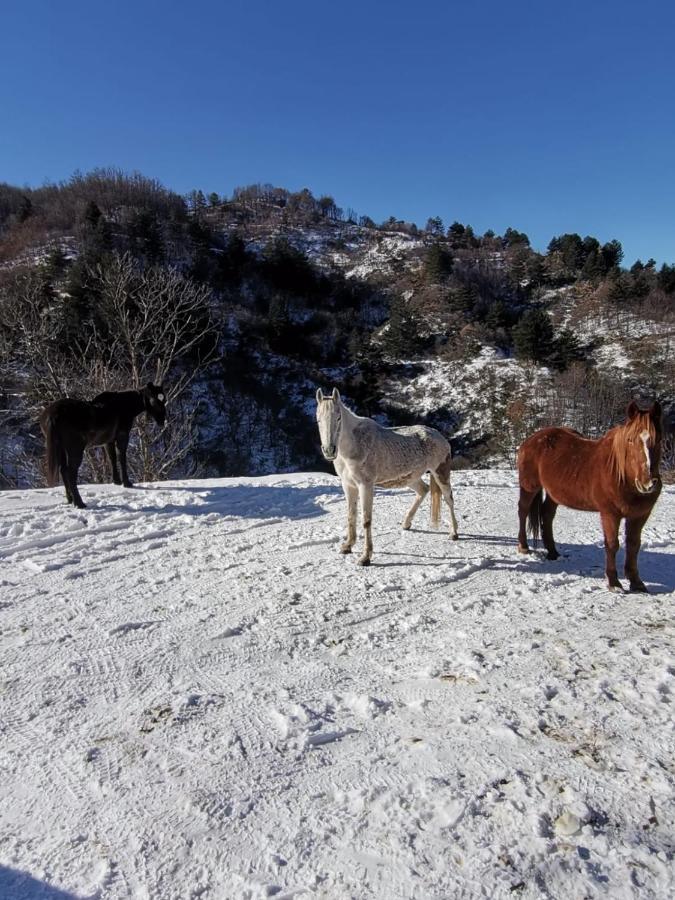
(319, 396)
(336, 394)
(632, 410)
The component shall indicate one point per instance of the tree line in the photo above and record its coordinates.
(110, 279)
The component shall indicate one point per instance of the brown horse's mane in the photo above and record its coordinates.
(622, 436)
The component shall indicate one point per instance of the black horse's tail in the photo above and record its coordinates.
(535, 517)
(54, 450)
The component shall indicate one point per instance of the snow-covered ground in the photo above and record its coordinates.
(199, 697)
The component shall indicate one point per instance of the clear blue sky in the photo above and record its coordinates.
(547, 117)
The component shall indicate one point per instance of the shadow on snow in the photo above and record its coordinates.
(22, 886)
(246, 501)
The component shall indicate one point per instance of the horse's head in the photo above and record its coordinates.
(154, 401)
(642, 442)
(329, 419)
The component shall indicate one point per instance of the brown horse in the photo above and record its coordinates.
(617, 476)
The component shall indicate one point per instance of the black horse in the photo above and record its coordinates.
(71, 425)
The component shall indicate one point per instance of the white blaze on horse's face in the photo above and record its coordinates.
(329, 420)
(644, 482)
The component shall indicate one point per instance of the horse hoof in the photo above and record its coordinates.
(616, 589)
(406, 526)
(552, 555)
(345, 549)
(128, 484)
(523, 550)
(364, 561)
(455, 537)
(638, 587)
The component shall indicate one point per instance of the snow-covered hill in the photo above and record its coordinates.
(199, 697)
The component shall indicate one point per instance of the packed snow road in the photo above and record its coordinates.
(199, 697)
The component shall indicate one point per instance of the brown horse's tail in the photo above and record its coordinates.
(535, 517)
(435, 502)
(54, 450)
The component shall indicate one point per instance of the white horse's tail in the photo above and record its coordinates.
(435, 502)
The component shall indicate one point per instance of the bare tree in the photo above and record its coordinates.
(149, 325)
(156, 318)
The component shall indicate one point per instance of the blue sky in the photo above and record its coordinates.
(546, 117)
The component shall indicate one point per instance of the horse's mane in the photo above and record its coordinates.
(622, 436)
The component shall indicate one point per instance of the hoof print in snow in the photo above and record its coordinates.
(155, 717)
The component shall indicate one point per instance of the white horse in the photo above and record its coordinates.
(365, 454)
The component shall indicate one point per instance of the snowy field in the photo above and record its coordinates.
(199, 697)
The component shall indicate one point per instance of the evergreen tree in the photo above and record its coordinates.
(533, 336)
(593, 266)
(56, 263)
(367, 357)
(434, 226)
(437, 264)
(571, 250)
(512, 237)
(567, 349)
(402, 337)
(497, 315)
(146, 236)
(457, 235)
(535, 269)
(612, 254)
(465, 299)
(666, 278)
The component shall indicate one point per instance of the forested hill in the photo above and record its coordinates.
(243, 305)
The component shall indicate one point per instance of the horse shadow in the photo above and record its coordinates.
(657, 570)
(245, 501)
(22, 886)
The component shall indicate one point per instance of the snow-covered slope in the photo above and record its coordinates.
(199, 697)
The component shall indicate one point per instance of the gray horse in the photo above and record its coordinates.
(365, 454)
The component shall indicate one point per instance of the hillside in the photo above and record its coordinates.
(244, 304)
(201, 697)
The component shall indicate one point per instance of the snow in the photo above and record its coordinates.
(199, 697)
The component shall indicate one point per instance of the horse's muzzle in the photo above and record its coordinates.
(647, 488)
(329, 453)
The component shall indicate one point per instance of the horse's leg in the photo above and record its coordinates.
(65, 476)
(421, 489)
(366, 496)
(524, 504)
(352, 496)
(74, 462)
(610, 526)
(122, 441)
(112, 456)
(549, 508)
(633, 536)
(446, 490)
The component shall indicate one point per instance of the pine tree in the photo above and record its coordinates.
(434, 226)
(402, 337)
(567, 349)
(437, 264)
(533, 336)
